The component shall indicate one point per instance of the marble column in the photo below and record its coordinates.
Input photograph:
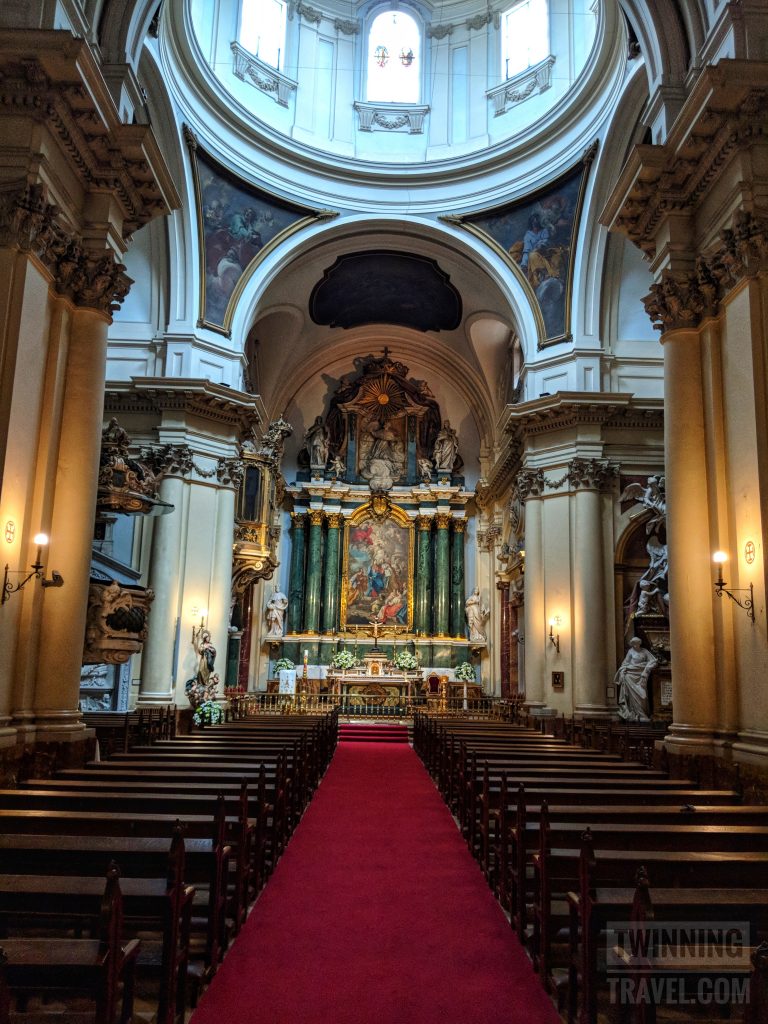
(64, 609)
(229, 474)
(314, 572)
(421, 625)
(590, 669)
(694, 689)
(244, 667)
(297, 573)
(458, 595)
(531, 486)
(157, 668)
(331, 573)
(503, 587)
(515, 647)
(442, 574)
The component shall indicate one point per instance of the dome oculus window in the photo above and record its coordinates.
(524, 36)
(262, 29)
(394, 59)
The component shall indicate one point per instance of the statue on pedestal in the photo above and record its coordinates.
(275, 611)
(203, 686)
(476, 616)
(316, 442)
(446, 448)
(632, 681)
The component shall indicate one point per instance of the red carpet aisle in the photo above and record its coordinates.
(376, 914)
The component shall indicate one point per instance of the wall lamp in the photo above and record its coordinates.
(721, 587)
(554, 638)
(197, 630)
(38, 571)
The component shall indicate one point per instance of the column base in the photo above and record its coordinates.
(539, 709)
(594, 711)
(53, 725)
(154, 699)
(690, 739)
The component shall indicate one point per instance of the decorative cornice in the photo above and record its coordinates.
(346, 26)
(192, 396)
(440, 31)
(310, 14)
(249, 68)
(58, 84)
(479, 21)
(530, 82)
(726, 113)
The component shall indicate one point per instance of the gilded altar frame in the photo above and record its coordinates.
(377, 521)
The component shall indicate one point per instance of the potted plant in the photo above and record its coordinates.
(465, 672)
(282, 663)
(343, 660)
(207, 713)
(405, 661)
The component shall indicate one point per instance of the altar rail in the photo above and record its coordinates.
(359, 705)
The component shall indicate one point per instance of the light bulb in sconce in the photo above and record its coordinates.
(554, 639)
(41, 539)
(198, 629)
(38, 571)
(721, 587)
(720, 558)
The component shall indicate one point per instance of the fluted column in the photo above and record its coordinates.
(457, 578)
(422, 623)
(157, 668)
(590, 670)
(503, 587)
(331, 574)
(314, 573)
(229, 473)
(694, 691)
(442, 575)
(297, 573)
(64, 609)
(531, 485)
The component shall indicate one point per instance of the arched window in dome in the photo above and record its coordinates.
(524, 36)
(394, 59)
(262, 29)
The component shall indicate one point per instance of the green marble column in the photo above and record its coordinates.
(331, 574)
(457, 578)
(421, 623)
(296, 580)
(441, 598)
(314, 573)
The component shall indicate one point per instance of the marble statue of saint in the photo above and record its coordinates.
(276, 607)
(446, 448)
(317, 444)
(632, 681)
(338, 467)
(476, 616)
(383, 463)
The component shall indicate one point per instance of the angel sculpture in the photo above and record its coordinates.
(652, 496)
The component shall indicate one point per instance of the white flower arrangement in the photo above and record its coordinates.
(343, 660)
(405, 661)
(283, 663)
(465, 672)
(207, 713)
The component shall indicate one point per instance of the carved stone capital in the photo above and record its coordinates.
(298, 520)
(591, 474)
(424, 523)
(443, 520)
(334, 520)
(347, 27)
(676, 302)
(316, 517)
(229, 472)
(459, 525)
(530, 483)
(169, 460)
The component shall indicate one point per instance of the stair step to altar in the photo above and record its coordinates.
(384, 733)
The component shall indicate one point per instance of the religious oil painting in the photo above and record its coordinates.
(378, 573)
(237, 224)
(539, 233)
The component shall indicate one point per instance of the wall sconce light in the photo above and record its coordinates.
(721, 587)
(554, 639)
(38, 571)
(197, 630)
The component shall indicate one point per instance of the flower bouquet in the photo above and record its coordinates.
(282, 663)
(343, 660)
(405, 661)
(465, 672)
(207, 713)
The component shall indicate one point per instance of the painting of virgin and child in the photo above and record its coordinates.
(378, 573)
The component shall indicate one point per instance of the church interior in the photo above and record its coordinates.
(383, 468)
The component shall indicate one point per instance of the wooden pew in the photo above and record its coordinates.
(594, 906)
(104, 966)
(162, 905)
